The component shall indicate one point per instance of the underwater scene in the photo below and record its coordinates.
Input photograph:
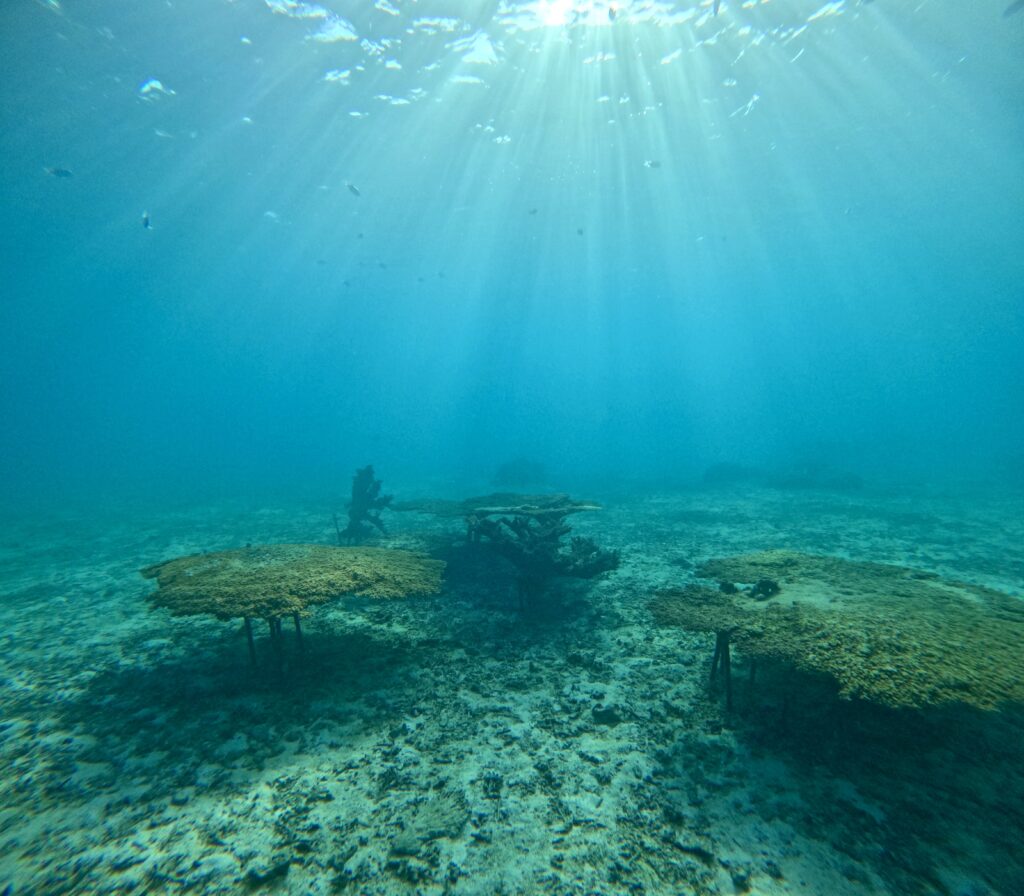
(558, 447)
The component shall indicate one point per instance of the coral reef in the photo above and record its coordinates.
(364, 508)
(508, 503)
(273, 581)
(280, 579)
(529, 530)
(887, 634)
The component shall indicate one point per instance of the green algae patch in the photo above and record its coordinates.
(271, 581)
(887, 634)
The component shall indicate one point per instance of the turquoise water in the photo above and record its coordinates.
(748, 274)
(824, 265)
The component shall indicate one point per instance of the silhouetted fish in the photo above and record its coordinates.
(718, 6)
(147, 223)
(1012, 8)
(59, 172)
(353, 190)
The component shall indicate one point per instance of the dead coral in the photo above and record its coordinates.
(894, 636)
(508, 503)
(528, 530)
(364, 507)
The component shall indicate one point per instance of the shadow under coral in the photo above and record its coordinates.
(899, 782)
(158, 723)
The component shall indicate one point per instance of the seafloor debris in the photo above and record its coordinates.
(887, 634)
(273, 581)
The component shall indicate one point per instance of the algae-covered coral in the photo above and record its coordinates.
(365, 507)
(895, 636)
(529, 531)
(271, 581)
(504, 503)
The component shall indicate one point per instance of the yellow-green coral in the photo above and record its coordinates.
(697, 609)
(888, 634)
(276, 580)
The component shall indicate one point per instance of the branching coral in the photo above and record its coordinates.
(529, 532)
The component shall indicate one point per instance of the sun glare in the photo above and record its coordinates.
(558, 13)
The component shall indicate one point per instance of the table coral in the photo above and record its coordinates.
(887, 634)
(281, 579)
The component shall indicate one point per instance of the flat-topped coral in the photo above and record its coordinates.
(273, 581)
(891, 635)
(281, 579)
(505, 503)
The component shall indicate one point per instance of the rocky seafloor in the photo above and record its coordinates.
(452, 744)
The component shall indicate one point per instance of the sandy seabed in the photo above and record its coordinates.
(452, 744)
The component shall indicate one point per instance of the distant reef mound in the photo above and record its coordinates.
(809, 476)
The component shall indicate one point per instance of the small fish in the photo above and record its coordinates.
(59, 172)
(147, 222)
(353, 189)
(652, 163)
(612, 13)
(718, 6)
(579, 231)
(532, 211)
(1013, 8)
